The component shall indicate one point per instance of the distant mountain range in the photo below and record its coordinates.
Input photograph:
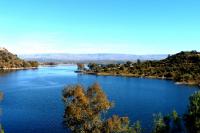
(66, 58)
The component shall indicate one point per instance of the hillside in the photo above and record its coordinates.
(183, 67)
(11, 61)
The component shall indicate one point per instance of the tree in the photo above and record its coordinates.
(128, 64)
(1, 129)
(9, 60)
(33, 63)
(80, 66)
(92, 66)
(159, 124)
(84, 109)
(136, 128)
(116, 124)
(192, 117)
(167, 120)
(176, 125)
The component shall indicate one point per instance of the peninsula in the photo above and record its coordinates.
(183, 68)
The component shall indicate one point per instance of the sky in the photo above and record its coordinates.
(100, 26)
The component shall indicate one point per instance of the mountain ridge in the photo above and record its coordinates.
(62, 57)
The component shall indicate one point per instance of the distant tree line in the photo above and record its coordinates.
(85, 108)
(182, 67)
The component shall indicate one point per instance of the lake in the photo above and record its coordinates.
(32, 98)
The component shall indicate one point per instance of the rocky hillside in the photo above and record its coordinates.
(11, 61)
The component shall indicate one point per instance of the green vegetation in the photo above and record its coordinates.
(85, 108)
(159, 125)
(11, 61)
(1, 129)
(183, 67)
(192, 118)
(49, 63)
(80, 66)
(84, 111)
(167, 124)
(136, 128)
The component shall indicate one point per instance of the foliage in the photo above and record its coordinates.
(84, 109)
(192, 117)
(182, 67)
(33, 63)
(176, 122)
(1, 129)
(159, 125)
(8, 60)
(80, 66)
(136, 128)
(116, 124)
(167, 124)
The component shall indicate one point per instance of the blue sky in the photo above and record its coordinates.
(100, 26)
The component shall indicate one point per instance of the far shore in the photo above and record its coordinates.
(59, 64)
(137, 76)
(19, 68)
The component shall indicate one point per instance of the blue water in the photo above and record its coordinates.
(32, 102)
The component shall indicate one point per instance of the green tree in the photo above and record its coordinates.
(192, 117)
(136, 128)
(159, 125)
(84, 109)
(167, 120)
(176, 125)
(80, 66)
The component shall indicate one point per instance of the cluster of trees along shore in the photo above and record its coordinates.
(183, 67)
(11, 61)
(85, 108)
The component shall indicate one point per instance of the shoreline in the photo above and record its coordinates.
(137, 76)
(20, 68)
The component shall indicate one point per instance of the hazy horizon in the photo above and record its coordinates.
(90, 54)
(88, 27)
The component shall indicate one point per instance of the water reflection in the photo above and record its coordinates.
(5, 72)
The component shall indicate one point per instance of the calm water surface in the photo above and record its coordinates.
(32, 102)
